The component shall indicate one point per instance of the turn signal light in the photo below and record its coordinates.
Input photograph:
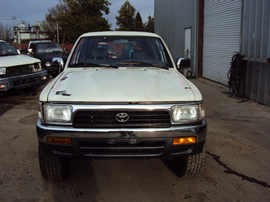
(184, 140)
(59, 140)
(44, 78)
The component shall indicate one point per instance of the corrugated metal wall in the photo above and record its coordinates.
(221, 37)
(171, 19)
(173, 16)
(256, 44)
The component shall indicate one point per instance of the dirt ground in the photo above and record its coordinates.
(237, 167)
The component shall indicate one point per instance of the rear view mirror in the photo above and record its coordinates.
(183, 63)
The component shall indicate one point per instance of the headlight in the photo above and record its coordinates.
(40, 112)
(2, 70)
(57, 113)
(35, 67)
(187, 113)
(48, 64)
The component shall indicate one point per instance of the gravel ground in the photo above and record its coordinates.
(237, 167)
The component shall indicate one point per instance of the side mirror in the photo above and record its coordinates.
(66, 50)
(57, 61)
(183, 63)
(30, 50)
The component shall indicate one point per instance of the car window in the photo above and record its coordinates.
(119, 49)
(6, 49)
(44, 48)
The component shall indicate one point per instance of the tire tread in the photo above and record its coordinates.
(53, 168)
(194, 164)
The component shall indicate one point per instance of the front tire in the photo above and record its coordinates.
(189, 166)
(53, 168)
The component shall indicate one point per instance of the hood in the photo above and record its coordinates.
(120, 85)
(15, 60)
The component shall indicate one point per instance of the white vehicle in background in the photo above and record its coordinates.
(19, 71)
(31, 43)
(134, 105)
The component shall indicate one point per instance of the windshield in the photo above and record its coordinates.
(44, 48)
(120, 51)
(6, 49)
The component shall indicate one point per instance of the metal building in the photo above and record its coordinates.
(255, 45)
(218, 30)
(176, 21)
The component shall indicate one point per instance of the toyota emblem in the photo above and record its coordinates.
(122, 117)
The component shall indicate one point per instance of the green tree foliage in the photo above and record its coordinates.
(76, 17)
(149, 26)
(138, 22)
(125, 19)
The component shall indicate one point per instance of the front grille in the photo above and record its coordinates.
(107, 119)
(19, 70)
(24, 81)
(153, 148)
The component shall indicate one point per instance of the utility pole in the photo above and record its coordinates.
(57, 33)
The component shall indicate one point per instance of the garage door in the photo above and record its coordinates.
(222, 28)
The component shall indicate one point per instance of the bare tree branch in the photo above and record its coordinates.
(5, 32)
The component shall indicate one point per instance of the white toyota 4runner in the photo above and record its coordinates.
(19, 71)
(133, 105)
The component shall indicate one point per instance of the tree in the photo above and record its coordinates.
(138, 22)
(125, 19)
(50, 25)
(76, 17)
(51, 18)
(5, 32)
(150, 25)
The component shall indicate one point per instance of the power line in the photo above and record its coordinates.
(14, 18)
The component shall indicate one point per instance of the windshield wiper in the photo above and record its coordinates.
(142, 63)
(84, 64)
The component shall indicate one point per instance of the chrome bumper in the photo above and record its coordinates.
(85, 141)
(23, 81)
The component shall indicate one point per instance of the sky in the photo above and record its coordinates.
(32, 11)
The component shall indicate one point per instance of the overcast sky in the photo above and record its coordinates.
(32, 11)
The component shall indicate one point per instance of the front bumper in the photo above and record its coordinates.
(119, 143)
(24, 81)
(52, 69)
